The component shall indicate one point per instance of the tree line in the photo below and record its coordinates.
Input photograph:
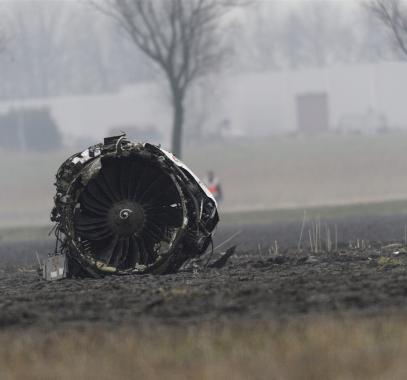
(57, 48)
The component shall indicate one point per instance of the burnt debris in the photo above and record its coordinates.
(130, 208)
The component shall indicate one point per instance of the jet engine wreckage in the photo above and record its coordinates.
(128, 208)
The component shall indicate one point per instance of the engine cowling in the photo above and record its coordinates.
(130, 208)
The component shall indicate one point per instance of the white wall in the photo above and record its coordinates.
(256, 104)
(92, 116)
(265, 103)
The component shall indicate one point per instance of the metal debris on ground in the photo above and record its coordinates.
(130, 208)
(55, 268)
(222, 260)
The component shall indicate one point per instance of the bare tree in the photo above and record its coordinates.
(317, 34)
(393, 15)
(183, 37)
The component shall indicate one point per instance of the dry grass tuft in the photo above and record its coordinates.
(318, 349)
(388, 261)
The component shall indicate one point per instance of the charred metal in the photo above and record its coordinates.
(130, 208)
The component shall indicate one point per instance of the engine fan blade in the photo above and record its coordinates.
(148, 175)
(167, 215)
(110, 175)
(156, 187)
(154, 231)
(101, 182)
(88, 200)
(135, 171)
(125, 251)
(91, 228)
(85, 220)
(145, 254)
(105, 254)
(124, 178)
(85, 206)
(164, 197)
(133, 257)
(95, 190)
(95, 234)
(117, 253)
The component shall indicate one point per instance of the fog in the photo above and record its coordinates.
(307, 108)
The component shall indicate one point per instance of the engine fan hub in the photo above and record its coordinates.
(126, 218)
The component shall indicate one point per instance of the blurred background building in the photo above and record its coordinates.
(303, 82)
(368, 98)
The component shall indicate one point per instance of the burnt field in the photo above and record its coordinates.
(272, 312)
(267, 278)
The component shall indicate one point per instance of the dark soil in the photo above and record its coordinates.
(257, 283)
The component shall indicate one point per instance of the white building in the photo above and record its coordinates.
(256, 104)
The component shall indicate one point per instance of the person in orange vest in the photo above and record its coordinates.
(213, 185)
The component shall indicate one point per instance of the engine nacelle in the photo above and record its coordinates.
(130, 208)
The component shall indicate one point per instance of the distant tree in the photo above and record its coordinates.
(43, 58)
(293, 40)
(393, 15)
(36, 37)
(259, 42)
(183, 38)
(372, 45)
(317, 34)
